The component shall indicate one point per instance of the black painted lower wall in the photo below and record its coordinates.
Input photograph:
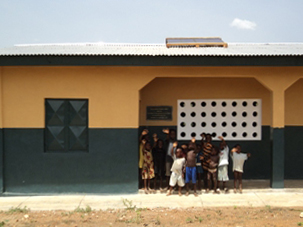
(258, 166)
(1, 161)
(110, 166)
(293, 152)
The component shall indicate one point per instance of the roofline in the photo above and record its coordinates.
(109, 60)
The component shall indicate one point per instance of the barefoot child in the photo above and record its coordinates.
(223, 165)
(170, 139)
(143, 137)
(159, 160)
(199, 166)
(212, 169)
(207, 148)
(238, 162)
(177, 175)
(148, 166)
(191, 172)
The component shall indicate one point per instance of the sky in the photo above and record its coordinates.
(149, 21)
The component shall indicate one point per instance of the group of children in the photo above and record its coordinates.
(187, 163)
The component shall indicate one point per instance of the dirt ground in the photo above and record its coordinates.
(227, 216)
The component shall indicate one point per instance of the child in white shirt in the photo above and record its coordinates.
(177, 175)
(223, 165)
(238, 162)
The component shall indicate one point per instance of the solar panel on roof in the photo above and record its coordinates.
(195, 42)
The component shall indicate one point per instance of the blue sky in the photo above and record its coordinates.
(149, 21)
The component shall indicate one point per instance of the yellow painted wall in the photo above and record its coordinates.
(114, 92)
(294, 104)
(166, 91)
(1, 109)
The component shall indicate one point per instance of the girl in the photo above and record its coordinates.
(148, 166)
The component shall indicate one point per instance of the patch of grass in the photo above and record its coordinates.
(2, 224)
(68, 222)
(158, 222)
(300, 223)
(268, 208)
(18, 210)
(189, 220)
(200, 219)
(136, 219)
(219, 212)
(141, 209)
(235, 207)
(87, 209)
(293, 209)
(128, 204)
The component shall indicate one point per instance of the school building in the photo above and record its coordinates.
(71, 114)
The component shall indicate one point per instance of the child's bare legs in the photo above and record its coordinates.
(208, 181)
(161, 181)
(214, 176)
(236, 176)
(218, 186)
(167, 181)
(240, 181)
(145, 186)
(180, 190)
(195, 190)
(205, 180)
(199, 181)
(148, 183)
(187, 189)
(155, 182)
(169, 191)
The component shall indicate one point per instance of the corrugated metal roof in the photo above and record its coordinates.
(97, 49)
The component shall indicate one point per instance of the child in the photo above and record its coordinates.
(199, 165)
(238, 162)
(184, 149)
(143, 137)
(170, 139)
(212, 169)
(191, 172)
(177, 174)
(223, 165)
(207, 148)
(159, 160)
(148, 166)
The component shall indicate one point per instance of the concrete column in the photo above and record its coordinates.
(277, 152)
(1, 136)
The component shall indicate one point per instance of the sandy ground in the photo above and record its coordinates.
(131, 216)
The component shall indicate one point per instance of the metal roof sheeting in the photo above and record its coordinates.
(101, 49)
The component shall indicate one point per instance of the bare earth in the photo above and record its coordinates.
(223, 216)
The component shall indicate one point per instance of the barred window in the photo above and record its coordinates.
(66, 125)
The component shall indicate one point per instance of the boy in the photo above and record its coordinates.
(238, 162)
(199, 165)
(177, 175)
(171, 138)
(223, 165)
(212, 169)
(191, 172)
(159, 154)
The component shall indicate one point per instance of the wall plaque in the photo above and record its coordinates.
(159, 113)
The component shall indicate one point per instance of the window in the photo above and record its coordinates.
(233, 119)
(66, 125)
